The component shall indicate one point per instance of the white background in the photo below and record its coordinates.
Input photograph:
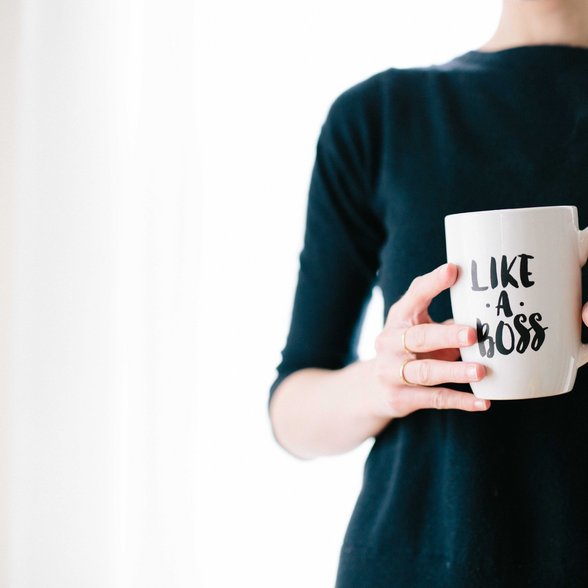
(267, 73)
(97, 294)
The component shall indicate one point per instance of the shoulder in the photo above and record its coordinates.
(363, 96)
(369, 101)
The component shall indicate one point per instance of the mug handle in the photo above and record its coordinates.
(583, 243)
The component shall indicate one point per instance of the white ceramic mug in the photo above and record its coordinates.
(519, 285)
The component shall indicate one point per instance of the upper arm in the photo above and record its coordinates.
(344, 233)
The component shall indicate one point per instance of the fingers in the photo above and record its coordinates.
(409, 328)
(423, 289)
(419, 388)
(429, 372)
(402, 401)
(449, 354)
(446, 398)
(425, 338)
(432, 336)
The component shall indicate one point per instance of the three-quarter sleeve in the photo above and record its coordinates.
(344, 233)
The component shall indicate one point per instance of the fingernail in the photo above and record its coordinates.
(473, 372)
(442, 269)
(480, 404)
(463, 336)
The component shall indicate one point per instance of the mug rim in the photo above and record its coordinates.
(519, 209)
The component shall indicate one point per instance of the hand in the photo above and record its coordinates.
(434, 347)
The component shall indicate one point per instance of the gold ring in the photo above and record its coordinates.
(404, 341)
(402, 372)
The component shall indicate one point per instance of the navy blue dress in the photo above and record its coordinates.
(449, 498)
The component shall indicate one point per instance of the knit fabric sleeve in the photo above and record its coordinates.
(344, 233)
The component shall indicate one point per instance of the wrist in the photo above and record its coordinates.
(369, 406)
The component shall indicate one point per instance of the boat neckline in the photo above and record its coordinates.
(540, 46)
(528, 54)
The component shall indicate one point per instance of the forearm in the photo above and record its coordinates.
(318, 412)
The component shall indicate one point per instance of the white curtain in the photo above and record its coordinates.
(98, 226)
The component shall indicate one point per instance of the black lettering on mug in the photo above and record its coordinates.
(523, 332)
(503, 304)
(539, 331)
(524, 335)
(482, 330)
(475, 285)
(508, 273)
(525, 273)
(501, 338)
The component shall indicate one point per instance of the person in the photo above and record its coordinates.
(457, 491)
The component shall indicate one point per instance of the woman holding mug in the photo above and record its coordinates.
(456, 492)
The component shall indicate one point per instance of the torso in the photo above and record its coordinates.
(497, 498)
